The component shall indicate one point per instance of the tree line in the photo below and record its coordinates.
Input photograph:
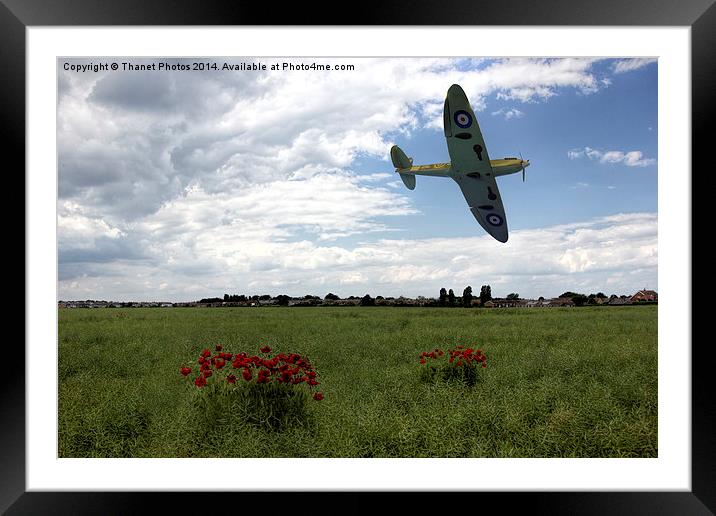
(446, 298)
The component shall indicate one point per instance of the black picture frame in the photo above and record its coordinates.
(17, 15)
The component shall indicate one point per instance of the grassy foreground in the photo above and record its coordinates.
(572, 382)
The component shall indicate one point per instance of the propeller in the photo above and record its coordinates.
(523, 167)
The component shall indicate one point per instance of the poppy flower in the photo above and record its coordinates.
(206, 352)
(220, 363)
(265, 349)
(185, 371)
(219, 347)
(200, 381)
(231, 379)
(422, 360)
(318, 396)
(246, 374)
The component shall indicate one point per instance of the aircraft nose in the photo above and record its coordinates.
(525, 163)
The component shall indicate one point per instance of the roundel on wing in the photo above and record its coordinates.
(494, 219)
(462, 119)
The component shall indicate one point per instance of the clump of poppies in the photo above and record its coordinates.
(269, 389)
(459, 363)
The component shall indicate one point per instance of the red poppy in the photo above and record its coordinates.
(220, 363)
(318, 396)
(185, 370)
(265, 349)
(246, 373)
(311, 381)
(231, 379)
(200, 381)
(422, 360)
(219, 347)
(206, 352)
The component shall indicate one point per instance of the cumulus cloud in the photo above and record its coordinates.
(509, 113)
(630, 159)
(629, 65)
(200, 259)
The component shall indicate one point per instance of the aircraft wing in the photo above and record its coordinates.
(485, 203)
(467, 149)
(471, 163)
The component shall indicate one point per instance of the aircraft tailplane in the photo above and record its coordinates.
(408, 180)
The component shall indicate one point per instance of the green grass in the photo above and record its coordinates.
(573, 382)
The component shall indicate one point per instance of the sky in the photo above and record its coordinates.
(175, 185)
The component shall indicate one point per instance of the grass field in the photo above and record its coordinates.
(572, 382)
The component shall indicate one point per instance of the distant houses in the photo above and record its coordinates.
(648, 296)
(641, 297)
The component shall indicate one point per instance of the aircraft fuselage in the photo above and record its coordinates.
(500, 167)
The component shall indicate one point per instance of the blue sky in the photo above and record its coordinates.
(176, 186)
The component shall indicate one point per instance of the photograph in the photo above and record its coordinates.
(358, 257)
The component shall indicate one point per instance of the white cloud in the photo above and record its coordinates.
(580, 185)
(629, 65)
(509, 113)
(618, 251)
(630, 159)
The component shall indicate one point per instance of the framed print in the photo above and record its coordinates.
(186, 182)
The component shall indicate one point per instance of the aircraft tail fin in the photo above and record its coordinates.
(401, 162)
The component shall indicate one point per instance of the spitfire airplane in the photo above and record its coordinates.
(470, 165)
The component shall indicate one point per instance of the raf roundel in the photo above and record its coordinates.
(463, 119)
(494, 219)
